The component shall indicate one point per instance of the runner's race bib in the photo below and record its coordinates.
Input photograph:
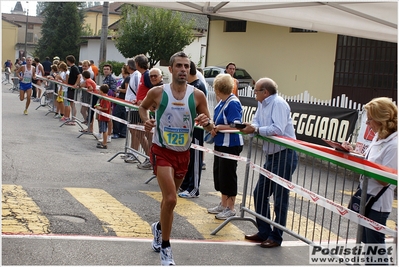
(26, 79)
(176, 136)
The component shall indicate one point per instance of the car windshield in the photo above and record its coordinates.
(211, 73)
(241, 74)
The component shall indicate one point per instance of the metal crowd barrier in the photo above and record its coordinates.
(319, 192)
(135, 132)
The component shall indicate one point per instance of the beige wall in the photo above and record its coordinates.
(9, 39)
(296, 61)
(94, 20)
(36, 32)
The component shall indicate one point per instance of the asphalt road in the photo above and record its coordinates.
(70, 206)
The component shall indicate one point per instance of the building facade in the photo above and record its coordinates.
(300, 60)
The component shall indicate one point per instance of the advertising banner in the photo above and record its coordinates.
(312, 123)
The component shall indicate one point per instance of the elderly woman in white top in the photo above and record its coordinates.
(382, 118)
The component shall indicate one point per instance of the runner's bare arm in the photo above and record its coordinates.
(204, 117)
(19, 70)
(152, 99)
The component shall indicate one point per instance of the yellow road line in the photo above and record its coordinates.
(20, 214)
(204, 222)
(303, 226)
(115, 216)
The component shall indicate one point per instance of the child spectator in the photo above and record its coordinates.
(59, 103)
(103, 106)
(91, 87)
(62, 92)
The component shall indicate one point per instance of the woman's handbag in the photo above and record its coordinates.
(208, 138)
(354, 203)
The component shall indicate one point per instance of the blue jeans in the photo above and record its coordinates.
(283, 164)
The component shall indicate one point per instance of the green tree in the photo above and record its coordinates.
(155, 32)
(40, 7)
(61, 30)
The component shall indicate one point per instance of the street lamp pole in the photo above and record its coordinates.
(26, 32)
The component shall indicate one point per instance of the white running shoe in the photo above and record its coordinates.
(167, 257)
(216, 210)
(186, 194)
(226, 213)
(157, 242)
(146, 165)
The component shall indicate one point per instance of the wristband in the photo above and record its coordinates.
(209, 123)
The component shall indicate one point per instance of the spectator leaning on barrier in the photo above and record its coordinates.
(63, 91)
(119, 111)
(59, 102)
(227, 111)
(111, 82)
(47, 66)
(105, 107)
(8, 64)
(134, 118)
(172, 139)
(144, 86)
(40, 72)
(382, 118)
(272, 118)
(91, 86)
(85, 97)
(94, 68)
(17, 64)
(73, 79)
(190, 186)
(25, 75)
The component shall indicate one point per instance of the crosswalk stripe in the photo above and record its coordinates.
(203, 222)
(20, 214)
(115, 216)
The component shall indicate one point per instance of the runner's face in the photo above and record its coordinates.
(85, 66)
(180, 69)
(28, 61)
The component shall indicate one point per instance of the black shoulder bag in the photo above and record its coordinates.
(354, 203)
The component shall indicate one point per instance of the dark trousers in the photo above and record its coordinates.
(192, 179)
(118, 127)
(93, 103)
(373, 237)
(283, 164)
(225, 171)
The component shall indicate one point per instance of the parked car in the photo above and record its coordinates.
(241, 75)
